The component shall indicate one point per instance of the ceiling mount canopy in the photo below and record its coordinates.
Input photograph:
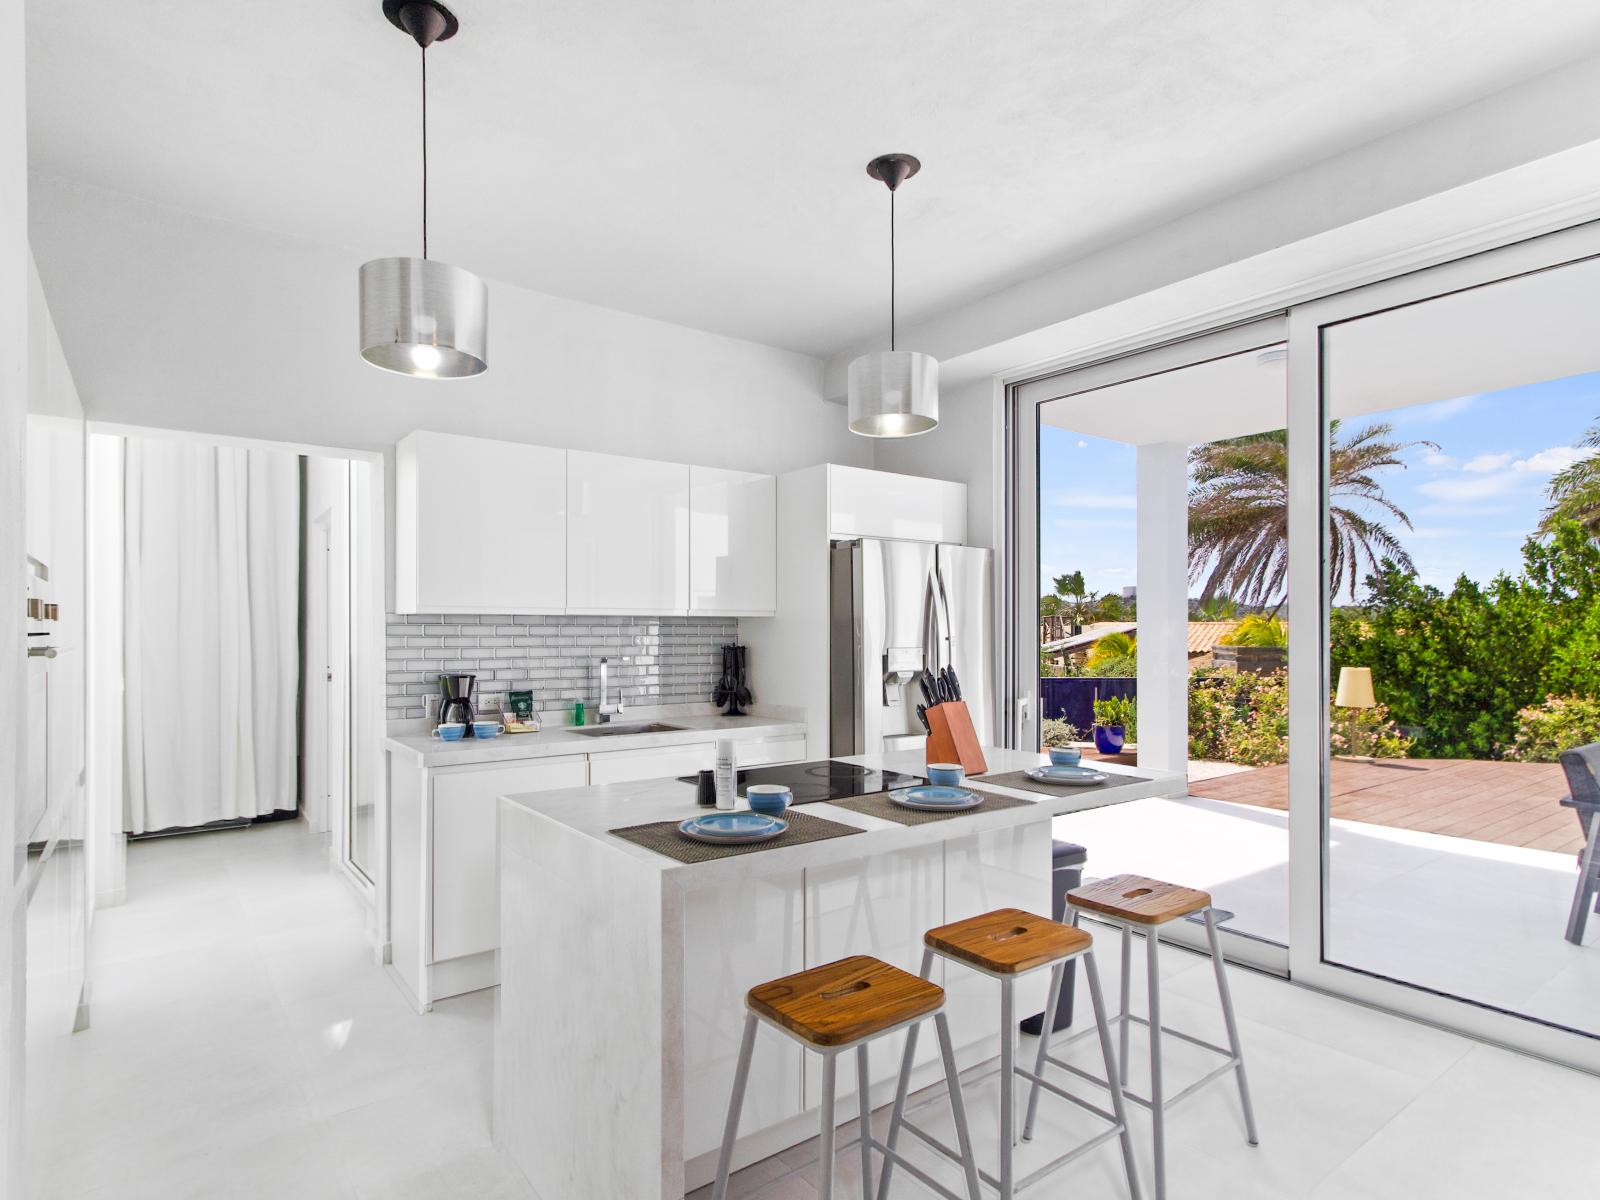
(420, 316)
(893, 393)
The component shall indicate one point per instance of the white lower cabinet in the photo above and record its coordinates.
(466, 892)
(662, 762)
(879, 906)
(998, 869)
(722, 962)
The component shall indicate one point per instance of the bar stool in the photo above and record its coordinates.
(834, 1008)
(1006, 945)
(1135, 903)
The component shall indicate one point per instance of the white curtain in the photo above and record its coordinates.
(211, 637)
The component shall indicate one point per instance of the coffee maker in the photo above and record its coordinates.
(455, 703)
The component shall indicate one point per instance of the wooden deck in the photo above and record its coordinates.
(1510, 803)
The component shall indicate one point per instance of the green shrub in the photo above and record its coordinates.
(1118, 710)
(1057, 732)
(1243, 718)
(1560, 723)
(1114, 667)
(1258, 629)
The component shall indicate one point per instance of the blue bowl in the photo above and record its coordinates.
(487, 729)
(1065, 756)
(770, 799)
(946, 774)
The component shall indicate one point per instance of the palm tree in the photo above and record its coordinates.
(1239, 511)
(1111, 646)
(1077, 601)
(1574, 492)
(1216, 608)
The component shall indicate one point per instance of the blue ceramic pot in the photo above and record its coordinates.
(1110, 739)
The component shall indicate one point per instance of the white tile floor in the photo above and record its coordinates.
(245, 1046)
(1473, 919)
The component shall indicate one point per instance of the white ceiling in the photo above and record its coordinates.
(701, 161)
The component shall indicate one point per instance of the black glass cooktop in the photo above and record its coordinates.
(816, 782)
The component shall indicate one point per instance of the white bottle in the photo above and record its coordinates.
(726, 781)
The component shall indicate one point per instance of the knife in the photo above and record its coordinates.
(955, 684)
(922, 715)
(925, 682)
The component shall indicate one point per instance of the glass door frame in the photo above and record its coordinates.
(1020, 585)
(1309, 664)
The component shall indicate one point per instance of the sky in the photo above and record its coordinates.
(1472, 501)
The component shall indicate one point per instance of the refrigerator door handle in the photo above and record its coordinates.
(930, 624)
(946, 632)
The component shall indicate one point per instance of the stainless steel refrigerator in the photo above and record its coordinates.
(899, 608)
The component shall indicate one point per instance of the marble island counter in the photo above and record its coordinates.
(623, 971)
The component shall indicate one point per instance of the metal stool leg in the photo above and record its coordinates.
(1008, 1088)
(1057, 976)
(1119, 1107)
(1127, 997)
(1158, 1115)
(958, 1108)
(825, 1147)
(864, 1121)
(730, 1131)
(1232, 1025)
(891, 1140)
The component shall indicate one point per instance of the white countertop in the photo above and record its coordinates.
(429, 751)
(593, 811)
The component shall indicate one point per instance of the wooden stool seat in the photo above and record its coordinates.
(843, 1002)
(1139, 899)
(1008, 941)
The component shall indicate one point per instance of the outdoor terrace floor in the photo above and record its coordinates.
(1507, 803)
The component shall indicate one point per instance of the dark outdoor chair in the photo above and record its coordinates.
(1583, 777)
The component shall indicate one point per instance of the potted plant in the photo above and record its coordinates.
(1115, 723)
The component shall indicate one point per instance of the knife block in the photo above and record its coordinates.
(952, 739)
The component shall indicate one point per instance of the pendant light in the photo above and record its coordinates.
(893, 393)
(420, 316)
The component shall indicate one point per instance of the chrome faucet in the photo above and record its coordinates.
(607, 710)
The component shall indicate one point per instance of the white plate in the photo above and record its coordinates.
(948, 800)
(1067, 776)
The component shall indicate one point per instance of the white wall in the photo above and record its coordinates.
(13, 406)
(181, 322)
(965, 448)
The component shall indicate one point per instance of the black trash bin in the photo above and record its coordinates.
(1066, 873)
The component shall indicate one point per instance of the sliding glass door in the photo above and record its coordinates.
(1457, 655)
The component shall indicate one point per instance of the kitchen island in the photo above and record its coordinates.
(623, 971)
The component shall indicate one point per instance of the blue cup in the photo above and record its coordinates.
(1065, 756)
(452, 732)
(769, 799)
(946, 774)
(487, 729)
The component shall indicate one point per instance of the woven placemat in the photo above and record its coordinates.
(663, 837)
(1020, 781)
(879, 805)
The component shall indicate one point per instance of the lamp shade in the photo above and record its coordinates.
(1355, 688)
(894, 393)
(423, 317)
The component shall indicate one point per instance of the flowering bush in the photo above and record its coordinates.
(1242, 718)
(1057, 732)
(1560, 723)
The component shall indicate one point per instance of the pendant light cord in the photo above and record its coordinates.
(891, 269)
(424, 152)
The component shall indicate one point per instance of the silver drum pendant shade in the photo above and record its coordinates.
(894, 393)
(423, 317)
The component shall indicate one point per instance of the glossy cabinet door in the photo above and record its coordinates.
(624, 766)
(627, 535)
(879, 906)
(1004, 868)
(881, 504)
(733, 533)
(722, 961)
(466, 871)
(460, 547)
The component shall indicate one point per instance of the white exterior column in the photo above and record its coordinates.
(1162, 479)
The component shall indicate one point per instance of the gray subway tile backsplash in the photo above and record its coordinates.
(670, 660)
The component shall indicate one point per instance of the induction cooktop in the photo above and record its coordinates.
(818, 782)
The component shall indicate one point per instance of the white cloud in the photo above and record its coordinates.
(1439, 462)
(1548, 462)
(1075, 498)
(1082, 444)
(1487, 462)
(1478, 487)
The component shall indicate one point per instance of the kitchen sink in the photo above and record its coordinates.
(619, 730)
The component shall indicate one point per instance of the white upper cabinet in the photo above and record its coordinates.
(880, 504)
(627, 535)
(460, 549)
(733, 530)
